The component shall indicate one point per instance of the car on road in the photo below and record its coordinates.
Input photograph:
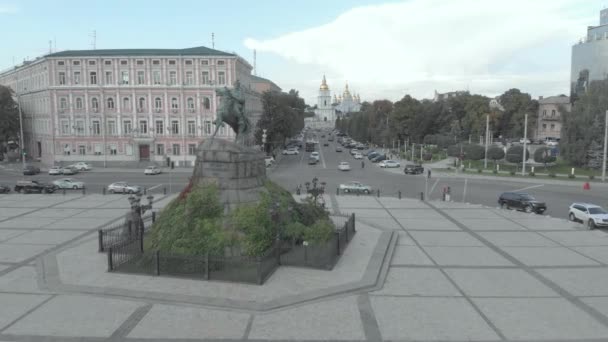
(358, 156)
(82, 166)
(551, 143)
(527, 141)
(152, 170)
(68, 183)
(312, 161)
(269, 160)
(55, 170)
(30, 170)
(326, 144)
(315, 155)
(69, 170)
(412, 169)
(521, 201)
(389, 163)
(338, 149)
(124, 188)
(291, 151)
(4, 189)
(353, 151)
(379, 158)
(372, 155)
(29, 186)
(354, 186)
(592, 215)
(344, 166)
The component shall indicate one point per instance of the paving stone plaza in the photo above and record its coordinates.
(423, 271)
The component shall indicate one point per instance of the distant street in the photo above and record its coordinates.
(293, 170)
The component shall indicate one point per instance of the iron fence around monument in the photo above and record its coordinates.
(126, 254)
(124, 230)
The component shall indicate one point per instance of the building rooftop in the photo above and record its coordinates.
(194, 51)
(258, 79)
(555, 99)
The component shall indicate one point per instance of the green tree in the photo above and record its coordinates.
(475, 152)
(282, 117)
(9, 115)
(543, 155)
(517, 105)
(495, 153)
(595, 155)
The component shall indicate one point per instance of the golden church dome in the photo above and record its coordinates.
(324, 84)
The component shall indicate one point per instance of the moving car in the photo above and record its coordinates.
(344, 166)
(312, 161)
(4, 189)
(55, 170)
(315, 155)
(521, 201)
(29, 186)
(68, 183)
(152, 170)
(389, 163)
(379, 158)
(82, 166)
(521, 141)
(326, 144)
(290, 151)
(358, 156)
(69, 170)
(30, 170)
(372, 155)
(592, 215)
(353, 151)
(355, 187)
(338, 149)
(412, 169)
(124, 188)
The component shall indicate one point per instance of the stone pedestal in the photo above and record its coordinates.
(238, 171)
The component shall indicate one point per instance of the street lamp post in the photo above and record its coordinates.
(21, 143)
(264, 139)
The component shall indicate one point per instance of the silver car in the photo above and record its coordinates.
(123, 188)
(68, 183)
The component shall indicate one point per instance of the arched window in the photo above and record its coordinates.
(126, 103)
(95, 103)
(158, 103)
(63, 103)
(206, 103)
(110, 103)
(142, 103)
(79, 103)
(190, 102)
(174, 103)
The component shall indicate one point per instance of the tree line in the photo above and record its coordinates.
(282, 117)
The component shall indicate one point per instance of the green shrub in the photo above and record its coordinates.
(479, 171)
(512, 173)
(552, 175)
(494, 171)
(532, 174)
(495, 153)
(591, 177)
(543, 155)
(571, 176)
(515, 154)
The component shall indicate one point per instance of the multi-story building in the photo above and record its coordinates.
(550, 110)
(261, 85)
(589, 61)
(121, 107)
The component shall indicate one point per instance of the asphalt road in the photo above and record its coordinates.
(293, 170)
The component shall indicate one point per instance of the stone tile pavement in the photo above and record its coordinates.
(451, 272)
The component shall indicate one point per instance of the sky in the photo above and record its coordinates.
(383, 49)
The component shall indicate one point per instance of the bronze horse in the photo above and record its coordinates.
(232, 111)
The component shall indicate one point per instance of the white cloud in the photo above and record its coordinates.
(421, 45)
(8, 9)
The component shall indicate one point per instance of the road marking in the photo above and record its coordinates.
(528, 187)
(321, 154)
(433, 187)
(156, 186)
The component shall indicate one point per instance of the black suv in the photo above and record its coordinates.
(34, 186)
(413, 169)
(30, 170)
(521, 201)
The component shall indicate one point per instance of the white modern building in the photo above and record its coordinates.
(126, 107)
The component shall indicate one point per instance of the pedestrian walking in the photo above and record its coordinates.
(362, 164)
(428, 173)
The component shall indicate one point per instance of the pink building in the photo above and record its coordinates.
(126, 107)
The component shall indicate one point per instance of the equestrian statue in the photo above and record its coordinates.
(232, 112)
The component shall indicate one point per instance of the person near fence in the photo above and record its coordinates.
(428, 173)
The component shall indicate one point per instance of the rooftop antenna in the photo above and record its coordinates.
(93, 36)
(212, 40)
(255, 68)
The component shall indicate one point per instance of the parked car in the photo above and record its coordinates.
(372, 155)
(521, 201)
(82, 166)
(592, 215)
(521, 141)
(551, 143)
(412, 169)
(69, 170)
(379, 158)
(30, 170)
(360, 147)
(355, 187)
(353, 151)
(338, 149)
(326, 144)
(152, 170)
(124, 188)
(389, 163)
(29, 186)
(269, 161)
(290, 151)
(55, 170)
(68, 183)
(4, 189)
(344, 166)
(358, 156)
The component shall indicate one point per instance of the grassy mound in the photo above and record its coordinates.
(194, 223)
